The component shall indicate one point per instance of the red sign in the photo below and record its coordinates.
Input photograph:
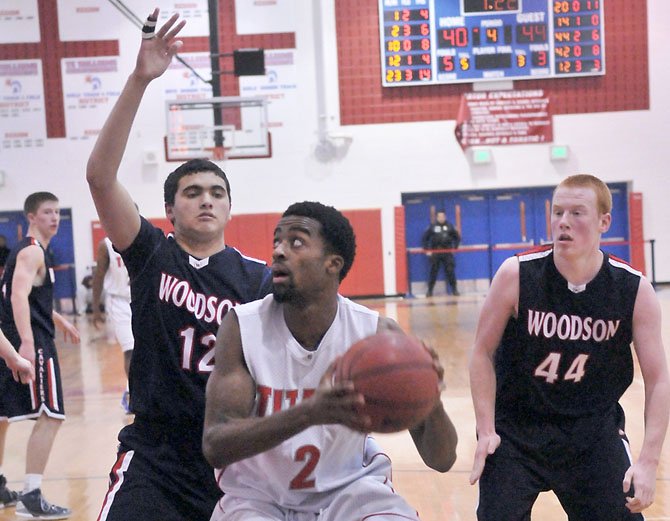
(504, 118)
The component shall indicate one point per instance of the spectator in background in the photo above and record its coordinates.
(112, 276)
(4, 253)
(441, 235)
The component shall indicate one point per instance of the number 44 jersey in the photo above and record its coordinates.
(305, 471)
(568, 353)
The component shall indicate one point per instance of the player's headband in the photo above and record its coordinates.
(149, 28)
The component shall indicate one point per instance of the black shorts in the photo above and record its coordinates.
(586, 476)
(160, 476)
(45, 395)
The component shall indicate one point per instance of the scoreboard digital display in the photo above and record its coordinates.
(458, 41)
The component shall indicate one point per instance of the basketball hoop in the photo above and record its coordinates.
(192, 131)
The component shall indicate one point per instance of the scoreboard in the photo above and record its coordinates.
(457, 41)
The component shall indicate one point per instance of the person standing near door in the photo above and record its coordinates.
(441, 235)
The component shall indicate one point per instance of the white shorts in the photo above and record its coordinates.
(370, 498)
(119, 316)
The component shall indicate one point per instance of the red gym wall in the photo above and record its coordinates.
(252, 234)
(363, 100)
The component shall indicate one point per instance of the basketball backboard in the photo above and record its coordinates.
(217, 128)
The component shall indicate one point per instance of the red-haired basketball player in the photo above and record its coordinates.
(551, 359)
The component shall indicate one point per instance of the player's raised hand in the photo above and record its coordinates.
(158, 46)
(486, 445)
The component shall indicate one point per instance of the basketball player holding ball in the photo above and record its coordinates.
(292, 444)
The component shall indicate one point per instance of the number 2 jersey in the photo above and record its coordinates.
(177, 304)
(303, 472)
(568, 354)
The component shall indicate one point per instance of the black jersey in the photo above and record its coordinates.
(568, 353)
(40, 298)
(177, 304)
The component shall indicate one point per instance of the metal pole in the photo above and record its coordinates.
(214, 61)
(653, 263)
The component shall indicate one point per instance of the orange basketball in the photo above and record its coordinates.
(395, 374)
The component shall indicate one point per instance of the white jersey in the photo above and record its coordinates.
(117, 282)
(305, 471)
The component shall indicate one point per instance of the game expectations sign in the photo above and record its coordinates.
(504, 118)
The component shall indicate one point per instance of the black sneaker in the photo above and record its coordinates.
(8, 497)
(33, 505)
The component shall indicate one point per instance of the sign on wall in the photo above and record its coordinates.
(91, 86)
(19, 21)
(269, 16)
(22, 121)
(504, 118)
(278, 86)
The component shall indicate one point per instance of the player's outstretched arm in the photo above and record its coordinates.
(500, 304)
(650, 352)
(232, 434)
(116, 208)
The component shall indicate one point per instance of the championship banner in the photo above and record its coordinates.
(181, 83)
(22, 112)
(19, 21)
(504, 118)
(279, 87)
(194, 12)
(91, 87)
(266, 16)
(88, 20)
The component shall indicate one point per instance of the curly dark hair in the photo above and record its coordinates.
(193, 166)
(335, 229)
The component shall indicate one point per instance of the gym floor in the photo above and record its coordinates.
(93, 378)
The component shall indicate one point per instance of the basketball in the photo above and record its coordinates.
(395, 374)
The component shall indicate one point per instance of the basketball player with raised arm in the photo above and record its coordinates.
(181, 288)
(551, 359)
(289, 443)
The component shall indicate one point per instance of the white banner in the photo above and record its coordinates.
(85, 20)
(19, 21)
(180, 82)
(265, 16)
(91, 86)
(81, 20)
(278, 86)
(22, 113)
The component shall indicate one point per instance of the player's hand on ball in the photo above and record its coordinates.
(338, 402)
(439, 368)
